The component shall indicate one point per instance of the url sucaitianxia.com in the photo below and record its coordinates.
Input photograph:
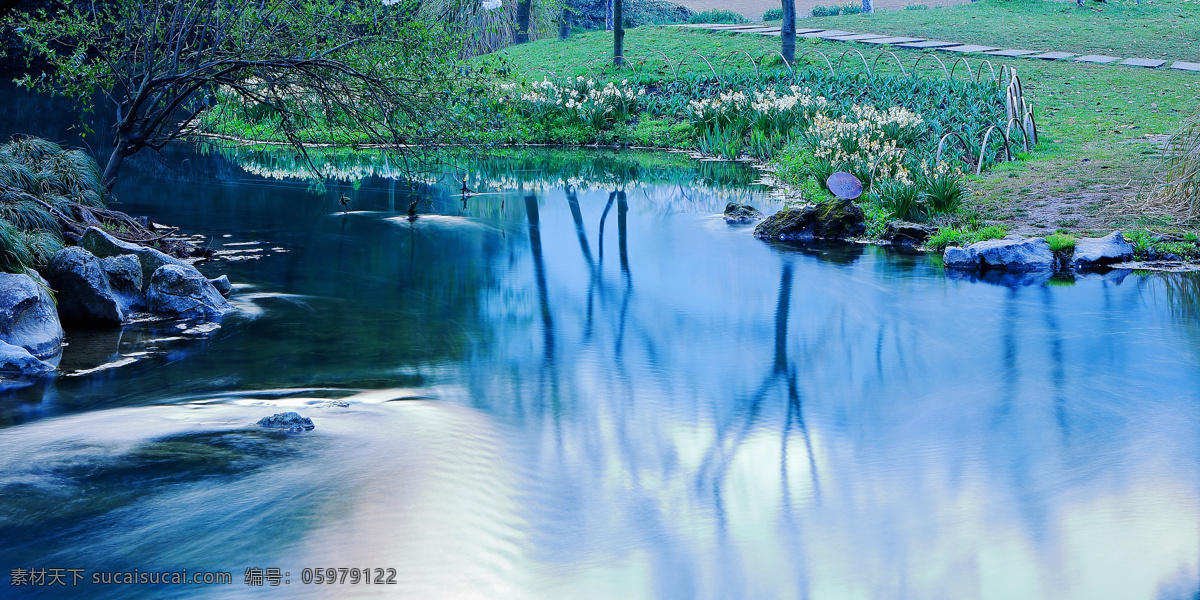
(253, 576)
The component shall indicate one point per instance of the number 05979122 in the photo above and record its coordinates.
(355, 575)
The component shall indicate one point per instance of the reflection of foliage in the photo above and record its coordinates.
(505, 169)
(488, 26)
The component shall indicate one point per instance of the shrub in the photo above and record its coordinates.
(916, 7)
(774, 14)
(943, 190)
(833, 11)
(723, 15)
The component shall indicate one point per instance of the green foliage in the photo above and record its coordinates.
(964, 236)
(773, 14)
(1147, 245)
(722, 15)
(849, 8)
(943, 191)
(1060, 242)
(900, 200)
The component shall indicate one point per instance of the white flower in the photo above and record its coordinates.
(487, 4)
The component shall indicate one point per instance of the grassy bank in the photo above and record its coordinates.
(1101, 125)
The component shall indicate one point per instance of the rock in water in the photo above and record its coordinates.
(1092, 252)
(27, 315)
(904, 233)
(741, 213)
(81, 287)
(287, 421)
(125, 278)
(15, 360)
(103, 245)
(222, 285)
(1013, 253)
(183, 291)
(837, 219)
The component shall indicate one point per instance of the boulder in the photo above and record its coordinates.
(904, 233)
(28, 318)
(1092, 252)
(1013, 253)
(103, 245)
(287, 421)
(741, 213)
(125, 278)
(222, 285)
(183, 291)
(836, 219)
(82, 288)
(15, 360)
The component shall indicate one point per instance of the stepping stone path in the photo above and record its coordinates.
(919, 43)
(1097, 58)
(1149, 63)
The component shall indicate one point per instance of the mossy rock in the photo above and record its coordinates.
(836, 219)
(741, 213)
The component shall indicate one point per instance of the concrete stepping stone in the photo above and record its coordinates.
(892, 40)
(1012, 52)
(827, 34)
(1097, 58)
(1185, 66)
(804, 31)
(857, 37)
(1149, 63)
(968, 48)
(756, 30)
(929, 44)
(1053, 55)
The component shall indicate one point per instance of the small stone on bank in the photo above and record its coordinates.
(287, 421)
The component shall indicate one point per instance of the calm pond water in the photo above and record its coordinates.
(583, 383)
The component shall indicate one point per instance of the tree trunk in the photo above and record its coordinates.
(789, 31)
(868, 6)
(523, 10)
(564, 24)
(618, 33)
(121, 151)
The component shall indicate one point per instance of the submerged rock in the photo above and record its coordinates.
(28, 318)
(1013, 253)
(741, 213)
(837, 219)
(82, 287)
(287, 421)
(103, 245)
(15, 360)
(183, 291)
(907, 234)
(1092, 252)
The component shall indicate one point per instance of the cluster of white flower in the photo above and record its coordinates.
(769, 102)
(869, 140)
(581, 95)
(716, 108)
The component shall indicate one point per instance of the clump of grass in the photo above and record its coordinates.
(773, 14)
(37, 179)
(916, 7)
(943, 191)
(723, 15)
(1181, 170)
(1060, 242)
(901, 201)
(964, 236)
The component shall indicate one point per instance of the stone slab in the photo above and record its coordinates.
(1012, 52)
(967, 48)
(804, 31)
(1098, 58)
(929, 44)
(827, 34)
(893, 40)
(755, 30)
(770, 33)
(1149, 63)
(857, 37)
(1053, 55)
(1185, 66)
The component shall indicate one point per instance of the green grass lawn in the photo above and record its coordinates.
(1165, 29)
(1098, 123)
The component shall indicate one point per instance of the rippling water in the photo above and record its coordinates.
(509, 405)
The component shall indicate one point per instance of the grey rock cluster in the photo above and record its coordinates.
(741, 213)
(287, 421)
(104, 280)
(1017, 254)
